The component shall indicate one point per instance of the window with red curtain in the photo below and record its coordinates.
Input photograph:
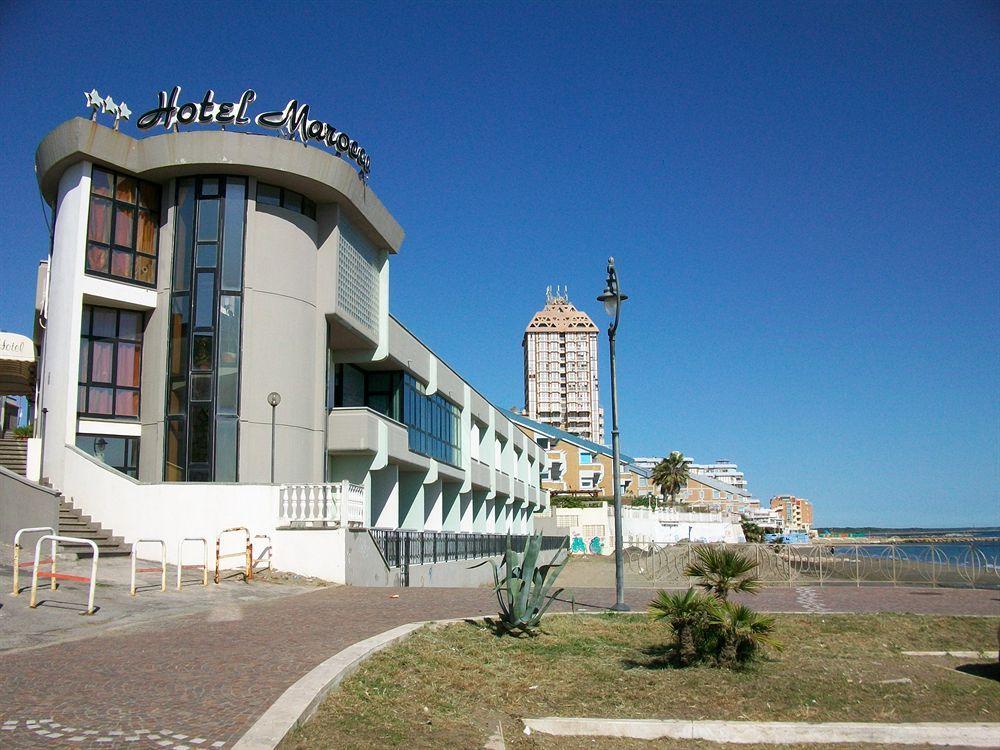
(110, 362)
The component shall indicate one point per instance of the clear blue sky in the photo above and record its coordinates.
(802, 198)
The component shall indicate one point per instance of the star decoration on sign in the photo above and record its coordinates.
(124, 111)
(106, 105)
(109, 106)
(94, 101)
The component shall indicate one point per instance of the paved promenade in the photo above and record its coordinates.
(199, 681)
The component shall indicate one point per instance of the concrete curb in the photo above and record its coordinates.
(959, 654)
(773, 732)
(299, 702)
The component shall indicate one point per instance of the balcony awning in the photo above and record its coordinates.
(17, 365)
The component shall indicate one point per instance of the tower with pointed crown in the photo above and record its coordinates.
(560, 368)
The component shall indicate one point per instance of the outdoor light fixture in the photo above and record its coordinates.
(612, 299)
(273, 398)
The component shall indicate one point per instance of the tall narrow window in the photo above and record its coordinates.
(123, 228)
(205, 331)
(110, 363)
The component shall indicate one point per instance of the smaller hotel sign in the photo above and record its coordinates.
(294, 119)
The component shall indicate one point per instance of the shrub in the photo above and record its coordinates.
(722, 570)
(24, 432)
(523, 592)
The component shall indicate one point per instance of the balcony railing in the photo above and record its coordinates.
(325, 505)
(403, 548)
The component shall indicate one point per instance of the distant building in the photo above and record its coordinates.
(723, 470)
(705, 493)
(560, 369)
(578, 466)
(796, 513)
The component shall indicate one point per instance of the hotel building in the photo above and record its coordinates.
(560, 369)
(795, 513)
(216, 350)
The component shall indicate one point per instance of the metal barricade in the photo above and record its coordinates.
(248, 574)
(93, 568)
(17, 556)
(163, 563)
(180, 559)
(265, 553)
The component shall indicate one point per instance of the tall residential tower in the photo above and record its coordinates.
(560, 368)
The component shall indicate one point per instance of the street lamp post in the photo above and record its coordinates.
(612, 299)
(273, 398)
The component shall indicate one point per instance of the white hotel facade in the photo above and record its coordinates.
(192, 275)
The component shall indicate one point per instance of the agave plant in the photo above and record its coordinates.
(688, 614)
(742, 632)
(523, 589)
(721, 571)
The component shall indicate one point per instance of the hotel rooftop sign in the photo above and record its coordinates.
(293, 119)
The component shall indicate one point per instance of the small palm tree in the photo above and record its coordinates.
(743, 632)
(721, 570)
(671, 475)
(687, 614)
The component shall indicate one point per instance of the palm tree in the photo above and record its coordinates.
(687, 614)
(743, 632)
(721, 570)
(671, 474)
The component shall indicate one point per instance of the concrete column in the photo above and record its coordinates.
(466, 516)
(433, 506)
(490, 516)
(450, 506)
(411, 500)
(385, 498)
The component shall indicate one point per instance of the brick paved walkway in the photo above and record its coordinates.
(200, 681)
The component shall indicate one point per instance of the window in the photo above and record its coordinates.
(434, 423)
(586, 457)
(272, 195)
(123, 228)
(204, 330)
(110, 363)
(120, 453)
(587, 482)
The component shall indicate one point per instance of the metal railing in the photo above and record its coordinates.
(162, 570)
(963, 563)
(402, 548)
(93, 568)
(180, 559)
(17, 556)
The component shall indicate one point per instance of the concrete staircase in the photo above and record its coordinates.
(14, 455)
(72, 522)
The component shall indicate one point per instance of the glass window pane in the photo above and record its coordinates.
(201, 387)
(146, 241)
(269, 195)
(184, 235)
(176, 451)
(206, 255)
(81, 399)
(127, 403)
(105, 323)
(130, 325)
(208, 220)
(232, 245)
(125, 189)
(84, 360)
(99, 401)
(225, 449)
(97, 258)
(145, 269)
(229, 330)
(201, 357)
(178, 335)
(99, 223)
(129, 358)
(149, 196)
(123, 225)
(177, 399)
(293, 201)
(121, 264)
(205, 296)
(227, 397)
(201, 434)
(100, 366)
(101, 182)
(309, 208)
(209, 186)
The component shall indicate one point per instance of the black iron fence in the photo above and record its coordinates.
(404, 548)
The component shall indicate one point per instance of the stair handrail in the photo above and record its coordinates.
(93, 568)
(17, 555)
(180, 559)
(163, 562)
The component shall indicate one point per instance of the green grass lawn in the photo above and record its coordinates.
(449, 687)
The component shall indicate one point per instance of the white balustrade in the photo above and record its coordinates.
(309, 504)
(354, 495)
